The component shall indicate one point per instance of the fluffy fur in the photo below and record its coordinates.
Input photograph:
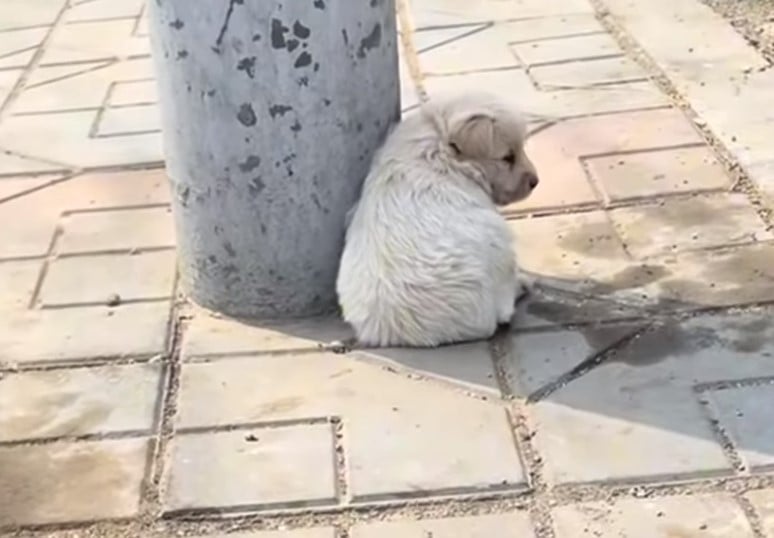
(428, 259)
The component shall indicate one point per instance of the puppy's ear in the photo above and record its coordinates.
(473, 136)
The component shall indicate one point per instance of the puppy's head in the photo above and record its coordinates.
(481, 130)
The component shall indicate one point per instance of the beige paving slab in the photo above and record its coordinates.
(744, 414)
(21, 13)
(657, 173)
(123, 229)
(296, 533)
(710, 516)
(98, 40)
(445, 12)
(129, 120)
(69, 482)
(58, 335)
(587, 73)
(290, 466)
(395, 436)
(763, 501)
(509, 525)
(133, 92)
(694, 223)
(103, 9)
(18, 46)
(563, 49)
(94, 279)
(17, 283)
(11, 187)
(458, 50)
(71, 402)
(7, 82)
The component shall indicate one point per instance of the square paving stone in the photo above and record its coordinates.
(69, 482)
(763, 502)
(512, 525)
(84, 334)
(81, 280)
(17, 283)
(689, 224)
(587, 73)
(65, 402)
(296, 533)
(657, 173)
(464, 49)
(410, 437)
(289, 466)
(745, 413)
(117, 230)
(566, 48)
(208, 335)
(132, 119)
(704, 516)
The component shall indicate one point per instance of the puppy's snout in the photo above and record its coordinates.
(530, 179)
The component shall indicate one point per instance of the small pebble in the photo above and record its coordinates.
(113, 299)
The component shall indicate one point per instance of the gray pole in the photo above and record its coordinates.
(271, 111)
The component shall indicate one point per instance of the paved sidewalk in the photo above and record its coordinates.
(633, 398)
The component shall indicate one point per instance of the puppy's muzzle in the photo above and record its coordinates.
(530, 179)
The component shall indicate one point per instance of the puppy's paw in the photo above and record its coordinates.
(339, 346)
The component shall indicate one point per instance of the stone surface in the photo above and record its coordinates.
(458, 50)
(716, 516)
(17, 283)
(694, 223)
(637, 418)
(69, 482)
(564, 49)
(285, 466)
(744, 414)
(297, 533)
(129, 120)
(208, 335)
(392, 434)
(116, 230)
(55, 403)
(659, 172)
(587, 73)
(763, 502)
(58, 335)
(140, 276)
(510, 525)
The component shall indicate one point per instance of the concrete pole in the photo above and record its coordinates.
(271, 111)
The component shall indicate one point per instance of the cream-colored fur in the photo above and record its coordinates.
(428, 259)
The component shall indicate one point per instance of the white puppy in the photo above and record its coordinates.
(428, 259)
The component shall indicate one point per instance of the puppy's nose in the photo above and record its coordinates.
(531, 179)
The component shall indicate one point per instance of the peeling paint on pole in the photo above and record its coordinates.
(269, 128)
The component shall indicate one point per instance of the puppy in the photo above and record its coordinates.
(428, 259)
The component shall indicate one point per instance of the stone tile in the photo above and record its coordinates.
(64, 138)
(17, 283)
(566, 48)
(441, 12)
(464, 364)
(763, 501)
(557, 151)
(129, 120)
(21, 13)
(7, 81)
(539, 358)
(511, 525)
(516, 85)
(132, 92)
(689, 224)
(104, 9)
(396, 437)
(291, 466)
(70, 402)
(735, 276)
(99, 40)
(581, 252)
(69, 482)
(745, 414)
(659, 172)
(708, 516)
(92, 279)
(459, 50)
(17, 164)
(18, 186)
(79, 86)
(209, 335)
(296, 533)
(587, 73)
(544, 27)
(124, 229)
(636, 417)
(58, 335)
(18, 46)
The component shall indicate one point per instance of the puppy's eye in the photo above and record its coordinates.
(455, 148)
(510, 158)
